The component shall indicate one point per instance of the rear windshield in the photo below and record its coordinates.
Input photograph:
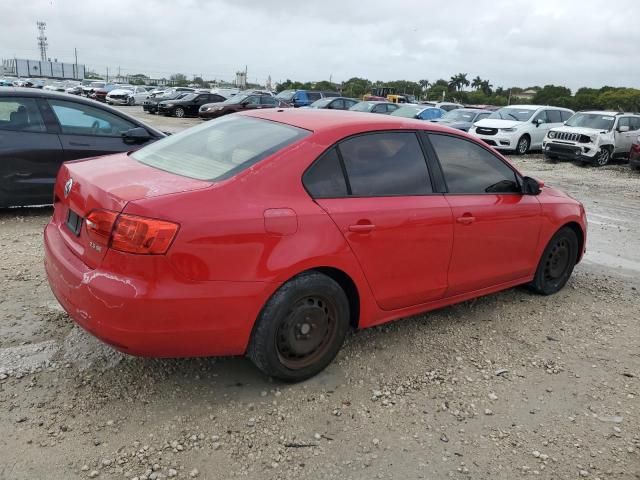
(219, 148)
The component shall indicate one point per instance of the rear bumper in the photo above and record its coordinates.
(162, 316)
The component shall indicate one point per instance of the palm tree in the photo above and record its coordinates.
(463, 80)
(476, 83)
(486, 87)
(424, 84)
(454, 83)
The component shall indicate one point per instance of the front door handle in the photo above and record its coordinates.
(466, 219)
(362, 228)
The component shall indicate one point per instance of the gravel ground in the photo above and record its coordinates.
(511, 385)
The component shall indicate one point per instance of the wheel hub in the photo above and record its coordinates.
(558, 260)
(306, 331)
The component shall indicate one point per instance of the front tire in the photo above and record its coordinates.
(179, 112)
(603, 157)
(131, 101)
(301, 328)
(523, 145)
(557, 262)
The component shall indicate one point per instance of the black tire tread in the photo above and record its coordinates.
(259, 348)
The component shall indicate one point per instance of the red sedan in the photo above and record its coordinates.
(271, 233)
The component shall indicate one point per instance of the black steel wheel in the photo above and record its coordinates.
(557, 262)
(301, 328)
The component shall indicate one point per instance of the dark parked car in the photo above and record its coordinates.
(634, 154)
(100, 94)
(462, 118)
(188, 105)
(150, 105)
(40, 129)
(334, 103)
(239, 103)
(374, 106)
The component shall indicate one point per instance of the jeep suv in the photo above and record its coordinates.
(519, 128)
(593, 137)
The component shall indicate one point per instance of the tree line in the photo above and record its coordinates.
(482, 92)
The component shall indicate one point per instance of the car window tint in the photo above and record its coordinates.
(565, 115)
(80, 119)
(553, 116)
(337, 104)
(325, 178)
(481, 116)
(385, 164)
(219, 148)
(253, 100)
(20, 114)
(313, 96)
(392, 107)
(624, 122)
(349, 103)
(268, 100)
(635, 123)
(469, 168)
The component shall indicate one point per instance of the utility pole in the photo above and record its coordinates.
(107, 74)
(76, 73)
(42, 41)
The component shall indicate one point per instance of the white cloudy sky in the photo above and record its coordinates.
(511, 42)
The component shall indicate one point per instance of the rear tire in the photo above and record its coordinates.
(523, 145)
(557, 262)
(301, 328)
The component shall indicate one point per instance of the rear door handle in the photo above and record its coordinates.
(362, 228)
(466, 219)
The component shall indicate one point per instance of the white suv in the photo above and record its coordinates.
(519, 128)
(593, 137)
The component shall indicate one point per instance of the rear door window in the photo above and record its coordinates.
(565, 115)
(383, 164)
(313, 96)
(268, 100)
(20, 114)
(553, 116)
(471, 169)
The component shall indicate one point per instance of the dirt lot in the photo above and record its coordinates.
(512, 385)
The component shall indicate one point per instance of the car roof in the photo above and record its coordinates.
(327, 120)
(37, 93)
(605, 112)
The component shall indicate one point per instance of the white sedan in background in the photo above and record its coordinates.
(128, 95)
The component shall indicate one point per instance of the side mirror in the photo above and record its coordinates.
(136, 135)
(531, 186)
(624, 128)
(538, 122)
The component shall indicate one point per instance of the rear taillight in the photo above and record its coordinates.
(130, 233)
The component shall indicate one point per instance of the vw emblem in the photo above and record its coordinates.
(67, 187)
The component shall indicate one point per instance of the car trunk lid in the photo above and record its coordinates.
(107, 183)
